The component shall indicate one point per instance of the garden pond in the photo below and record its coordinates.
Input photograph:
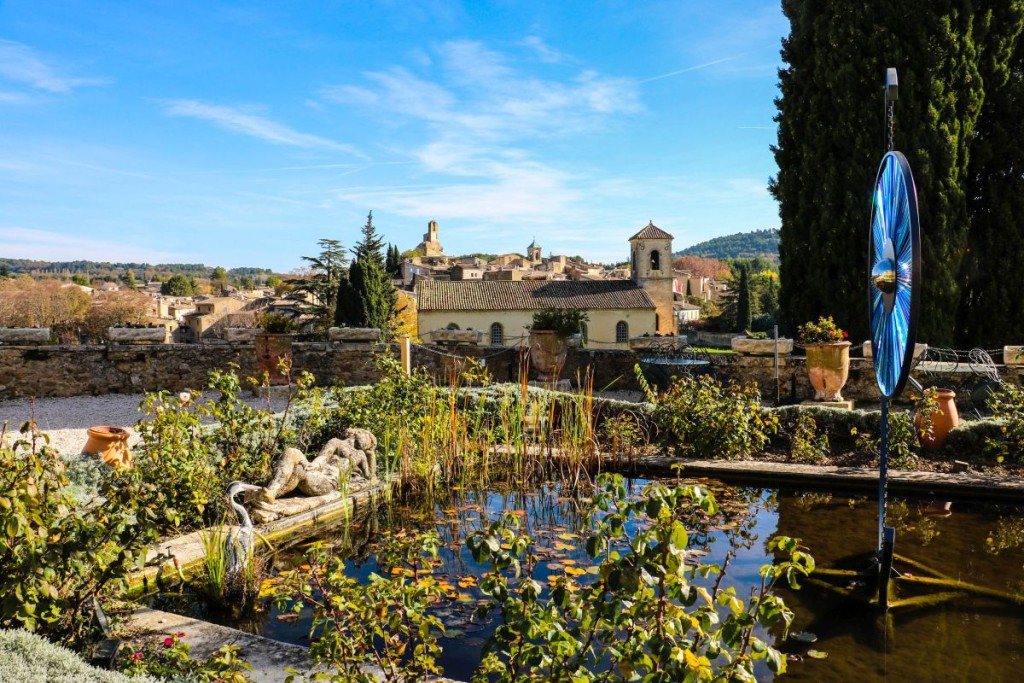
(975, 636)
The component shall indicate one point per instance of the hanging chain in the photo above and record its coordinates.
(890, 111)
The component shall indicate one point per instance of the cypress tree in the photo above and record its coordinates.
(831, 139)
(394, 261)
(368, 298)
(744, 315)
(991, 306)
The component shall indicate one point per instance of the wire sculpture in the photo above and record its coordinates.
(665, 361)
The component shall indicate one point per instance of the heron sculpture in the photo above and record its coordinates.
(239, 543)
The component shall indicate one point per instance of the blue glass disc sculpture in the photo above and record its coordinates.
(895, 257)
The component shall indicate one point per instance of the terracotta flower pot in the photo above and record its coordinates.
(270, 349)
(547, 353)
(110, 443)
(828, 366)
(943, 420)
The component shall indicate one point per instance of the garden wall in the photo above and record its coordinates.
(123, 368)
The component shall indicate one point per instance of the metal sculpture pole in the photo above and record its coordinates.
(894, 251)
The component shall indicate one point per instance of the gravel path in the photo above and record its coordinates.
(65, 420)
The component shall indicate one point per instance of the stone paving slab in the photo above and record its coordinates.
(963, 484)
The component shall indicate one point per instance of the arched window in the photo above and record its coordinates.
(583, 332)
(452, 326)
(655, 260)
(621, 331)
(497, 334)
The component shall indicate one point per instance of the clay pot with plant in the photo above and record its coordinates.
(935, 417)
(550, 330)
(828, 357)
(273, 345)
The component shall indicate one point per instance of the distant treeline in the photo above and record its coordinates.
(112, 271)
(762, 243)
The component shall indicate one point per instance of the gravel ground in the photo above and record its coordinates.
(65, 420)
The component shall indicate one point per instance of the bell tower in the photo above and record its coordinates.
(651, 261)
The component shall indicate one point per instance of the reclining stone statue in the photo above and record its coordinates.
(354, 455)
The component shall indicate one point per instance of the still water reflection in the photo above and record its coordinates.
(971, 638)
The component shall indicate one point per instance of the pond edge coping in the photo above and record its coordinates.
(187, 552)
(969, 484)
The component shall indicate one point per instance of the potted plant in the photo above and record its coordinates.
(935, 416)
(274, 344)
(549, 334)
(828, 357)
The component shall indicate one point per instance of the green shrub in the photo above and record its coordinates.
(192, 447)
(1007, 405)
(170, 658)
(384, 622)
(805, 444)
(276, 323)
(57, 558)
(701, 417)
(564, 321)
(25, 656)
(644, 617)
(903, 441)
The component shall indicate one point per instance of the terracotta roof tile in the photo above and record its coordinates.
(436, 295)
(651, 232)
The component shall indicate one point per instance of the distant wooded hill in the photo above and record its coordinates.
(103, 269)
(763, 243)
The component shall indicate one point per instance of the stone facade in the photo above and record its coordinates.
(110, 369)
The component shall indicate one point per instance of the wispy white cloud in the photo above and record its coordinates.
(688, 69)
(14, 98)
(480, 93)
(542, 50)
(21, 64)
(482, 114)
(240, 121)
(19, 242)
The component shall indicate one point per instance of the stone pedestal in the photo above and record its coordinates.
(839, 405)
(560, 385)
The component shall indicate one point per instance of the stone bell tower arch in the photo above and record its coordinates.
(651, 261)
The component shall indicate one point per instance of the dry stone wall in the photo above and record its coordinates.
(105, 369)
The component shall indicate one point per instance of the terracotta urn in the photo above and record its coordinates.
(547, 353)
(828, 366)
(944, 419)
(270, 350)
(110, 443)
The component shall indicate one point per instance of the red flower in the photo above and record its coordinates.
(168, 642)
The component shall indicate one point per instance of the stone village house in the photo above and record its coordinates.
(617, 309)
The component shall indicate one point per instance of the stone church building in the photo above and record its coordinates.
(617, 309)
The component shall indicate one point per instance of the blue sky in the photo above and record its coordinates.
(238, 134)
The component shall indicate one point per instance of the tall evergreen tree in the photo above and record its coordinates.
(744, 313)
(394, 261)
(370, 295)
(991, 305)
(326, 271)
(832, 137)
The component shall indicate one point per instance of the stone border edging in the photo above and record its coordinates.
(189, 551)
(970, 484)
